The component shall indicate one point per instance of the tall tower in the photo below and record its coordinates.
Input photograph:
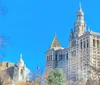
(79, 26)
(52, 56)
(20, 71)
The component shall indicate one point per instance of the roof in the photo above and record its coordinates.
(55, 43)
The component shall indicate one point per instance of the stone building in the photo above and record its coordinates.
(84, 48)
(18, 72)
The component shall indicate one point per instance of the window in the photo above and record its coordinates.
(93, 43)
(81, 44)
(51, 57)
(61, 57)
(84, 44)
(47, 59)
(87, 43)
(67, 56)
(56, 57)
(73, 43)
(73, 53)
(97, 43)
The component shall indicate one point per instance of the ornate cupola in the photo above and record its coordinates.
(80, 14)
(80, 26)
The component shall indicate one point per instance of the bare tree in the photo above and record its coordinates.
(3, 43)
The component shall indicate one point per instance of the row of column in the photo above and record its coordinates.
(96, 43)
(84, 44)
(60, 57)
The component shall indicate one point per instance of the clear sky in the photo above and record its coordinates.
(31, 24)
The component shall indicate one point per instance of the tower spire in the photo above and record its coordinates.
(21, 56)
(80, 15)
(21, 60)
(80, 12)
(80, 24)
(80, 6)
(55, 42)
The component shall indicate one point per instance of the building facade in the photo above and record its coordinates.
(16, 72)
(84, 48)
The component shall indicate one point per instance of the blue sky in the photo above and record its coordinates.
(31, 24)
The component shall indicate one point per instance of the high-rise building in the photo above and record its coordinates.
(84, 48)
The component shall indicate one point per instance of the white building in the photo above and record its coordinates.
(20, 71)
(84, 47)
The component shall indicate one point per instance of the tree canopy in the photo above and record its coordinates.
(56, 77)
